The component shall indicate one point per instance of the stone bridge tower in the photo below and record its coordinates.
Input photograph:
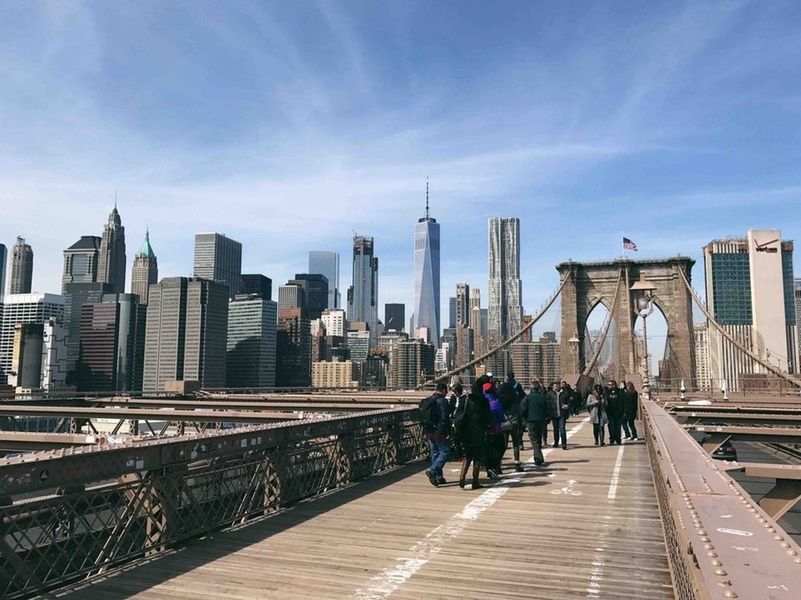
(590, 283)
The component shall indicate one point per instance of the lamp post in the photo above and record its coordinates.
(643, 293)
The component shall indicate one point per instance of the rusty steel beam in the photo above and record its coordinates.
(188, 415)
(787, 491)
(23, 441)
(781, 435)
(45, 470)
(720, 543)
(685, 409)
(741, 418)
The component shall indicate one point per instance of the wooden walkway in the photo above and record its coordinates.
(586, 526)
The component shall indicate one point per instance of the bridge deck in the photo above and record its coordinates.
(586, 526)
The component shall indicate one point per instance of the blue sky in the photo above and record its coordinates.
(289, 125)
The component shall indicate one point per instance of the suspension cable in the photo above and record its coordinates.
(770, 367)
(509, 341)
(599, 345)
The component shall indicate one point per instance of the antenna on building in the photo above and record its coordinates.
(426, 198)
(115, 198)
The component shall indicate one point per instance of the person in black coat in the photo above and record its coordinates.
(471, 428)
(511, 393)
(534, 410)
(614, 410)
(630, 402)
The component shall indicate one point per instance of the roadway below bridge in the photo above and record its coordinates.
(585, 526)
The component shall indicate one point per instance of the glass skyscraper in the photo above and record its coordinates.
(505, 311)
(327, 263)
(219, 259)
(363, 294)
(426, 276)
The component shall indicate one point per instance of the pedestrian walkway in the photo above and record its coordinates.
(586, 526)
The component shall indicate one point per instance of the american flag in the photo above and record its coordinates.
(629, 245)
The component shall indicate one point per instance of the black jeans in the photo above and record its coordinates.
(495, 446)
(614, 429)
(598, 433)
(629, 428)
(535, 429)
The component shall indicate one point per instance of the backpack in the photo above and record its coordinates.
(429, 413)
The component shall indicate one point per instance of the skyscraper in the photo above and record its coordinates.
(452, 311)
(363, 294)
(219, 259)
(505, 289)
(293, 349)
(186, 333)
(749, 290)
(21, 268)
(412, 364)
(257, 284)
(462, 304)
(111, 258)
(80, 261)
(3, 260)
(24, 308)
(426, 275)
(394, 317)
(315, 292)
(251, 355)
(291, 295)
(145, 270)
(327, 263)
(75, 296)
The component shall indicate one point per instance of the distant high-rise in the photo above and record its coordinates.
(749, 290)
(293, 349)
(363, 294)
(3, 260)
(251, 357)
(462, 304)
(112, 344)
(111, 258)
(315, 292)
(426, 275)
(186, 333)
(258, 285)
(334, 322)
(291, 295)
(80, 261)
(412, 364)
(505, 311)
(145, 270)
(219, 259)
(394, 317)
(327, 263)
(75, 296)
(24, 308)
(21, 268)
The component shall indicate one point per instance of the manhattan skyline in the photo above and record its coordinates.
(670, 132)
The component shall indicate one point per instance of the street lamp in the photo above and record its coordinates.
(642, 291)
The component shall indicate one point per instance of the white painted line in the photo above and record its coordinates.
(616, 474)
(389, 580)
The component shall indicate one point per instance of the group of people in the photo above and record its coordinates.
(477, 427)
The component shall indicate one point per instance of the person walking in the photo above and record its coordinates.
(495, 440)
(538, 383)
(511, 393)
(614, 411)
(596, 404)
(456, 406)
(436, 427)
(559, 410)
(630, 404)
(534, 410)
(471, 428)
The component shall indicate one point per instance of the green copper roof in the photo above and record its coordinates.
(146, 249)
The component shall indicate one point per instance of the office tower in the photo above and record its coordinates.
(426, 275)
(452, 311)
(21, 268)
(327, 263)
(219, 259)
(702, 374)
(54, 357)
(145, 270)
(412, 364)
(334, 322)
(80, 261)
(251, 358)
(463, 300)
(75, 296)
(111, 257)
(540, 360)
(505, 289)
(258, 285)
(186, 333)
(291, 295)
(3, 260)
(26, 357)
(749, 290)
(112, 344)
(464, 347)
(20, 309)
(359, 344)
(315, 292)
(293, 349)
(449, 337)
(442, 358)
(394, 317)
(363, 294)
(335, 374)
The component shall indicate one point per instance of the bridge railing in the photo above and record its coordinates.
(71, 514)
(720, 543)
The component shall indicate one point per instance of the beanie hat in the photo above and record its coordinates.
(487, 387)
